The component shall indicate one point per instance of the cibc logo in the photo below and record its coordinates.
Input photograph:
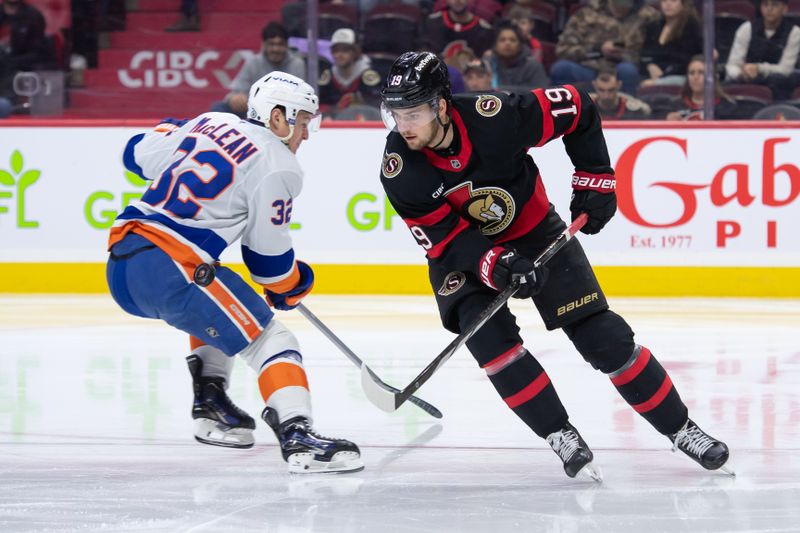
(733, 183)
(174, 68)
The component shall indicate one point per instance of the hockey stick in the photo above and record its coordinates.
(388, 398)
(422, 404)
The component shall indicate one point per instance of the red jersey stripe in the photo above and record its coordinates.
(438, 250)
(431, 218)
(547, 118)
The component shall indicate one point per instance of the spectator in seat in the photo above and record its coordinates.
(515, 70)
(478, 76)
(350, 81)
(765, 51)
(522, 18)
(275, 55)
(457, 25)
(601, 34)
(23, 47)
(670, 43)
(693, 96)
(190, 17)
(613, 104)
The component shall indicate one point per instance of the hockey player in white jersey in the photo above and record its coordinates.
(217, 179)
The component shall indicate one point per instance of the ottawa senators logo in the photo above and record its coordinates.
(371, 78)
(325, 77)
(488, 105)
(453, 282)
(491, 208)
(392, 165)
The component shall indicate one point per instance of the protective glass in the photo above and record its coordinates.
(408, 118)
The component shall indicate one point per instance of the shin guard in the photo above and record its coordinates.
(647, 387)
(526, 388)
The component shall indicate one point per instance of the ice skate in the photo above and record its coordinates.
(217, 420)
(709, 452)
(573, 450)
(308, 452)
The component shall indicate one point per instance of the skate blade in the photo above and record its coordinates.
(591, 471)
(728, 470)
(215, 433)
(340, 463)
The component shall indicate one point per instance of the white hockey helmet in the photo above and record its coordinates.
(282, 89)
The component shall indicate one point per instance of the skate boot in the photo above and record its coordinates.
(217, 420)
(709, 452)
(573, 450)
(308, 452)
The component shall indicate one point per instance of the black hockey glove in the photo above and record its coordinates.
(501, 266)
(595, 195)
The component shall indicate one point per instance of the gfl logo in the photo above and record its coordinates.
(170, 69)
(731, 183)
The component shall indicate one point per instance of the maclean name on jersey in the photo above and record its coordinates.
(231, 140)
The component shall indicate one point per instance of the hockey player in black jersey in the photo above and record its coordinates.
(457, 169)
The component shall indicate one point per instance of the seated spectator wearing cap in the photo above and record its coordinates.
(23, 47)
(350, 81)
(613, 104)
(275, 55)
(478, 76)
(670, 43)
(457, 26)
(515, 70)
(603, 33)
(765, 51)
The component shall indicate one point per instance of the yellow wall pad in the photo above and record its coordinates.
(758, 282)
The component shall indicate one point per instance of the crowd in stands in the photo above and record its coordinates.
(640, 59)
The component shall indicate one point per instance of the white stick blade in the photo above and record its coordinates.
(380, 397)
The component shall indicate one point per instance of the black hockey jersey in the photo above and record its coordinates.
(489, 191)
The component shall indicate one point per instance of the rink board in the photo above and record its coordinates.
(704, 209)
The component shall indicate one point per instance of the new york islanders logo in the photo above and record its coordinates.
(488, 105)
(491, 208)
(392, 165)
(453, 282)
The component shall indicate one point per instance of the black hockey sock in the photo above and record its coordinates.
(647, 387)
(526, 388)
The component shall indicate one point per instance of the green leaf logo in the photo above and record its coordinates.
(16, 162)
(29, 178)
(6, 178)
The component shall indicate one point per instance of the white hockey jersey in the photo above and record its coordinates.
(215, 178)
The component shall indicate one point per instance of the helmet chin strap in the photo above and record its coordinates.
(285, 140)
(445, 129)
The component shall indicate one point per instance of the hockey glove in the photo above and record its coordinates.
(595, 195)
(288, 300)
(501, 266)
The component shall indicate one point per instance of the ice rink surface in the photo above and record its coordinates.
(96, 434)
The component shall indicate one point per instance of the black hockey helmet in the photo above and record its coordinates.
(416, 78)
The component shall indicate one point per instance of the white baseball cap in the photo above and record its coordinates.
(343, 36)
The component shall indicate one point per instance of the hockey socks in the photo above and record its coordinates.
(647, 387)
(526, 388)
(284, 386)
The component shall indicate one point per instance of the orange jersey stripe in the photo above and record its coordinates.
(188, 259)
(280, 375)
(195, 343)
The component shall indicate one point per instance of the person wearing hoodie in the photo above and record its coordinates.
(515, 70)
(603, 33)
(350, 80)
